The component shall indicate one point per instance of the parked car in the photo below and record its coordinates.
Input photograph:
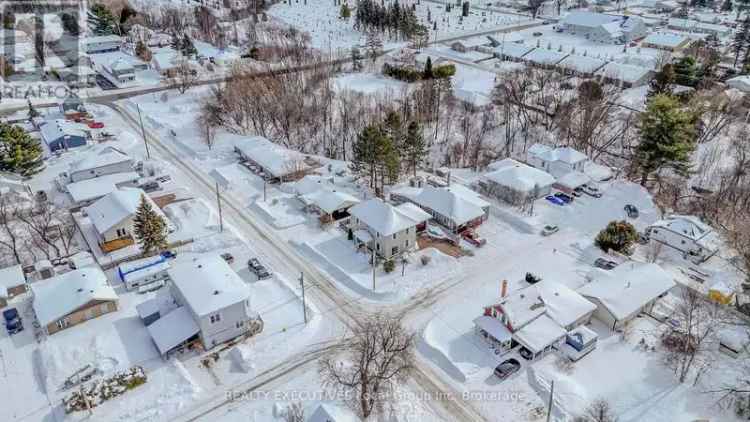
(12, 321)
(576, 193)
(150, 186)
(473, 238)
(591, 190)
(169, 255)
(565, 198)
(164, 179)
(550, 229)
(538, 34)
(555, 200)
(507, 368)
(632, 211)
(604, 264)
(96, 125)
(258, 269)
(227, 257)
(525, 353)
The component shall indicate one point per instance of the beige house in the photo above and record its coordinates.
(113, 214)
(72, 298)
(386, 230)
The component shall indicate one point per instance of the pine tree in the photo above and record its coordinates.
(618, 236)
(667, 134)
(188, 48)
(428, 69)
(726, 6)
(365, 153)
(33, 113)
(19, 152)
(100, 19)
(149, 228)
(415, 147)
(686, 71)
(662, 82)
(345, 12)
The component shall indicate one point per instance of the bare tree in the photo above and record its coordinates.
(295, 413)
(11, 238)
(378, 357)
(598, 411)
(687, 345)
(185, 75)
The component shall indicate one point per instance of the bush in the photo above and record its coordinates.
(618, 236)
(389, 266)
(405, 74)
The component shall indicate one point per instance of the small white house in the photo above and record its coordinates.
(119, 70)
(107, 161)
(87, 191)
(12, 282)
(668, 41)
(213, 305)
(384, 229)
(625, 75)
(515, 182)
(273, 160)
(556, 161)
(687, 234)
(112, 217)
(624, 292)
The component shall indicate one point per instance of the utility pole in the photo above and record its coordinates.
(218, 203)
(264, 190)
(373, 270)
(304, 303)
(551, 396)
(143, 131)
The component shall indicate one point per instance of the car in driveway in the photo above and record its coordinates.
(507, 368)
(13, 321)
(632, 211)
(564, 197)
(258, 269)
(229, 258)
(555, 200)
(525, 353)
(591, 190)
(550, 229)
(604, 264)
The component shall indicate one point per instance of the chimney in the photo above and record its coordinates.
(504, 289)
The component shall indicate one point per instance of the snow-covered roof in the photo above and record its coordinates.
(539, 149)
(564, 305)
(544, 57)
(385, 219)
(165, 60)
(138, 264)
(144, 272)
(116, 206)
(102, 39)
(330, 201)
(519, 176)
(58, 296)
(740, 82)
(628, 287)
(104, 158)
(539, 334)
(332, 413)
(573, 179)
(120, 65)
(172, 329)
(473, 41)
(589, 19)
(685, 225)
(689, 25)
(582, 64)
(565, 154)
(448, 203)
(522, 306)
(274, 158)
(11, 277)
(666, 39)
(51, 131)
(513, 50)
(493, 327)
(208, 283)
(97, 187)
(624, 72)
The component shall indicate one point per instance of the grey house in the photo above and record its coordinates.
(62, 135)
(212, 305)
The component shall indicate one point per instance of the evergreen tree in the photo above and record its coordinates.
(345, 12)
(100, 19)
(19, 152)
(415, 147)
(465, 9)
(428, 69)
(33, 113)
(726, 6)
(356, 59)
(149, 228)
(618, 236)
(662, 82)
(686, 71)
(667, 134)
(188, 48)
(365, 153)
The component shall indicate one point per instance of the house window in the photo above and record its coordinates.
(104, 307)
(377, 246)
(406, 243)
(394, 251)
(407, 230)
(239, 324)
(215, 318)
(62, 323)
(394, 236)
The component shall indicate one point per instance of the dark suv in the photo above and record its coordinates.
(12, 321)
